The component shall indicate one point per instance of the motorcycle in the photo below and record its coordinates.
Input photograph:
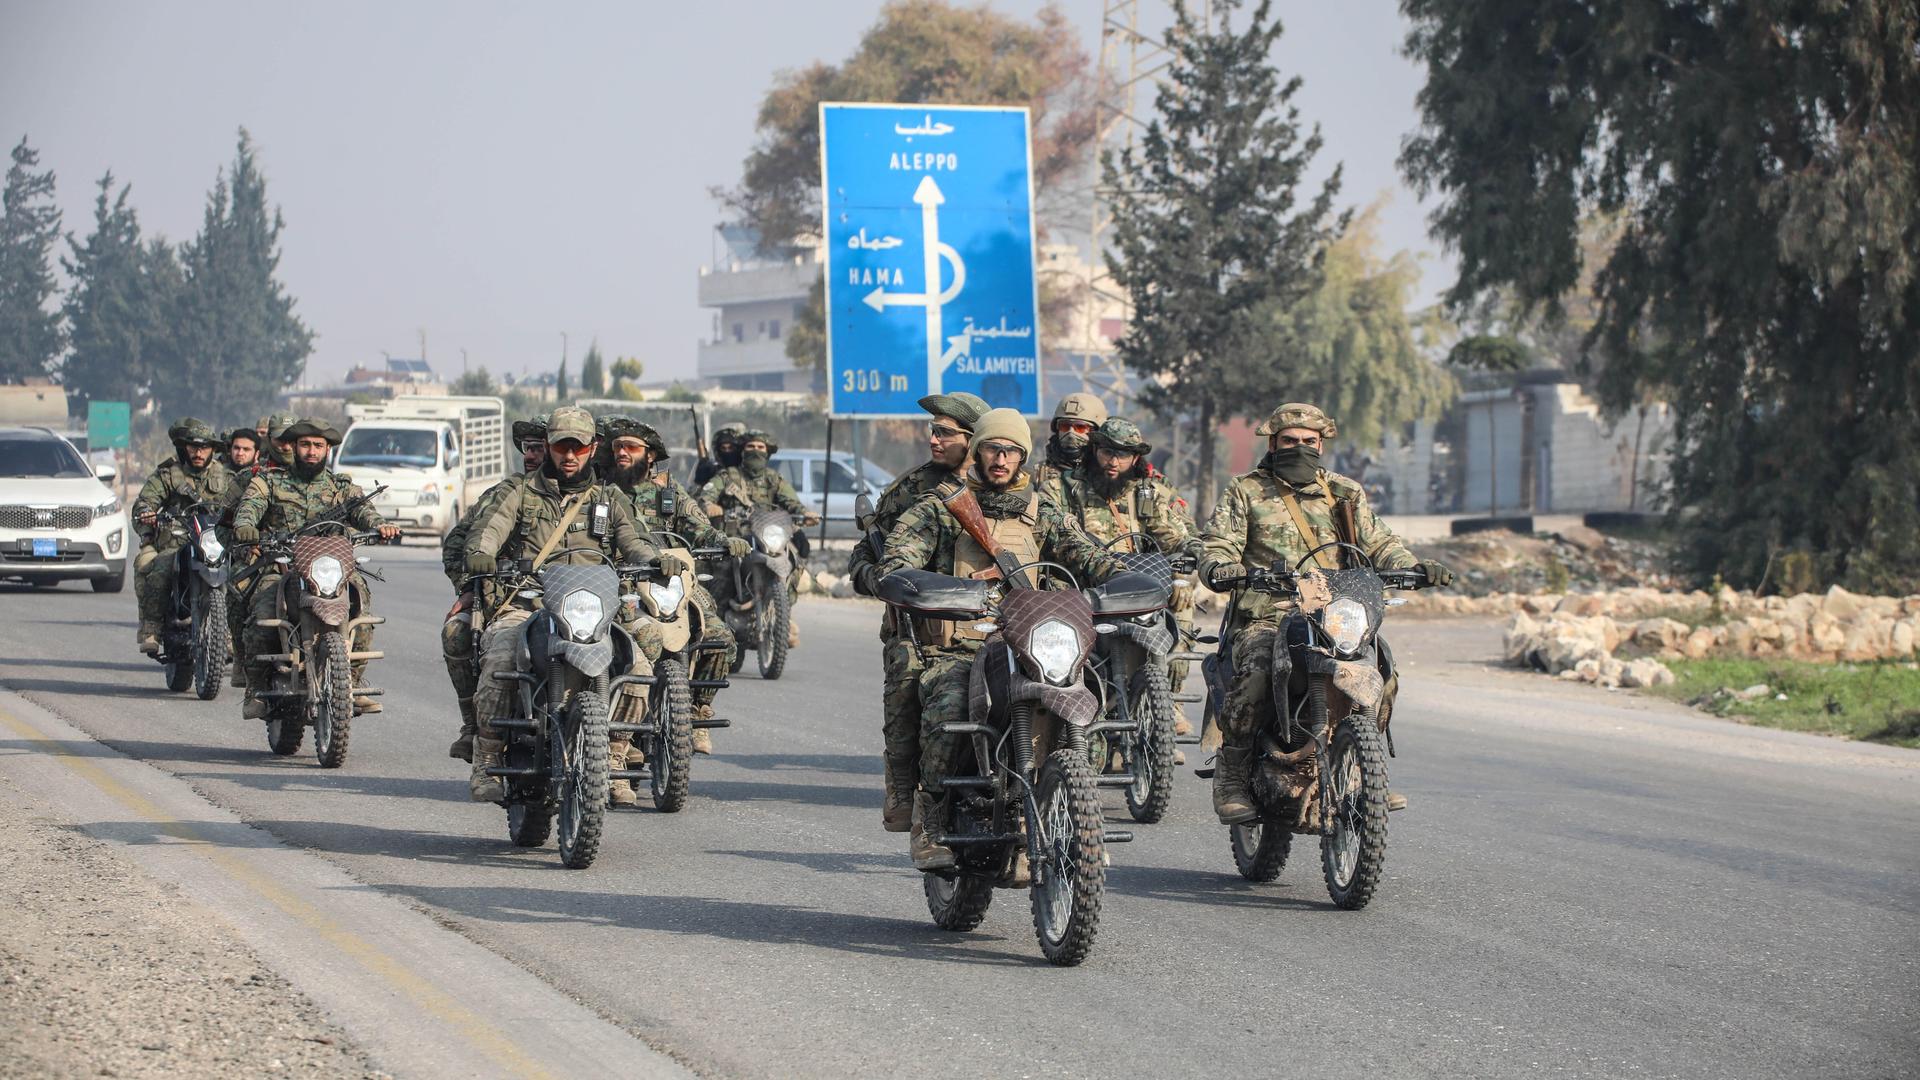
(1021, 808)
(1128, 673)
(194, 641)
(319, 605)
(1320, 761)
(759, 609)
(665, 730)
(555, 762)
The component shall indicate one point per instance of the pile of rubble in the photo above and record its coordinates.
(1619, 639)
(1493, 563)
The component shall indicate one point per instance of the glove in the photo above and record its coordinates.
(1436, 571)
(739, 546)
(1226, 577)
(671, 566)
(479, 562)
(246, 534)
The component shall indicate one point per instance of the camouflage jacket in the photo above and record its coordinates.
(173, 488)
(925, 536)
(242, 480)
(906, 490)
(673, 509)
(732, 489)
(453, 546)
(1251, 527)
(279, 501)
(519, 524)
(1149, 502)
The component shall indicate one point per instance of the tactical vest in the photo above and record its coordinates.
(1018, 536)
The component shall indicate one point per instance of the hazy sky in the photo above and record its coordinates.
(496, 174)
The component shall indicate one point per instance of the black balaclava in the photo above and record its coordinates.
(727, 458)
(1297, 465)
(754, 462)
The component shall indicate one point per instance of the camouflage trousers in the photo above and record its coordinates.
(456, 645)
(943, 699)
(900, 706)
(1250, 694)
(713, 663)
(259, 640)
(153, 585)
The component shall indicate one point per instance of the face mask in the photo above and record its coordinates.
(755, 460)
(1071, 444)
(1296, 465)
(728, 456)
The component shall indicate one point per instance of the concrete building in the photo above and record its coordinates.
(1544, 447)
(756, 298)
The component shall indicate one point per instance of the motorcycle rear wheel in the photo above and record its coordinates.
(1353, 844)
(774, 616)
(580, 760)
(286, 730)
(210, 645)
(1150, 757)
(1260, 849)
(1072, 875)
(529, 825)
(957, 901)
(330, 698)
(670, 748)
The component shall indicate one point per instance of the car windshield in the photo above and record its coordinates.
(389, 447)
(40, 457)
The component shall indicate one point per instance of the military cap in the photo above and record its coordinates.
(277, 425)
(962, 408)
(751, 434)
(1083, 407)
(193, 430)
(727, 434)
(1122, 435)
(570, 422)
(1298, 414)
(310, 427)
(1005, 424)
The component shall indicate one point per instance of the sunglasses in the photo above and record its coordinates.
(945, 433)
(1001, 450)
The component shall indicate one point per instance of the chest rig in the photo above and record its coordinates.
(1019, 536)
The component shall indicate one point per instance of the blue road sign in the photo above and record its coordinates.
(930, 278)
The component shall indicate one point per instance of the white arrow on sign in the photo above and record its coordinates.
(931, 251)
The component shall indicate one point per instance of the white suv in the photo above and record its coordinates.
(58, 520)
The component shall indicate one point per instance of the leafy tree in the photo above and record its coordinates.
(625, 371)
(919, 51)
(1356, 351)
(593, 373)
(476, 383)
(31, 333)
(118, 305)
(1760, 157)
(1208, 238)
(236, 342)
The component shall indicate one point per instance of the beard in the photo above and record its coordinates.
(306, 471)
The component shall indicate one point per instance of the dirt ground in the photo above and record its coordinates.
(107, 972)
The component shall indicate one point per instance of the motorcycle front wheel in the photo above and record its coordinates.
(330, 698)
(774, 615)
(579, 752)
(670, 747)
(1151, 755)
(210, 644)
(1353, 839)
(1072, 875)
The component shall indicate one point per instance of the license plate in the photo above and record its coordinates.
(46, 549)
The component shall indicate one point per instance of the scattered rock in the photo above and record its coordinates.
(1757, 690)
(1584, 538)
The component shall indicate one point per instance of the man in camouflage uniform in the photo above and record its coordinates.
(1112, 493)
(726, 454)
(193, 474)
(519, 525)
(283, 501)
(243, 451)
(660, 505)
(927, 537)
(1074, 420)
(954, 416)
(1254, 527)
(456, 634)
(736, 490)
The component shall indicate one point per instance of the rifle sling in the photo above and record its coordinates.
(1324, 559)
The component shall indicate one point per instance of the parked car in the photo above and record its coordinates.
(807, 471)
(58, 517)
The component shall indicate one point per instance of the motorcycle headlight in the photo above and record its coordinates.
(429, 495)
(667, 597)
(326, 574)
(773, 538)
(1054, 646)
(582, 610)
(212, 549)
(1345, 621)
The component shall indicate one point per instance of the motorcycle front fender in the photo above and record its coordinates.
(329, 610)
(589, 658)
(778, 565)
(214, 576)
(1360, 680)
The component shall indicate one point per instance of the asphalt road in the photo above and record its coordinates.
(1586, 883)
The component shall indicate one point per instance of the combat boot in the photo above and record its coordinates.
(1181, 725)
(462, 748)
(253, 708)
(702, 740)
(793, 634)
(364, 704)
(238, 679)
(486, 755)
(1232, 802)
(896, 811)
(148, 638)
(927, 855)
(619, 792)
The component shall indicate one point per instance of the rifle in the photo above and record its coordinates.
(336, 512)
(699, 437)
(966, 510)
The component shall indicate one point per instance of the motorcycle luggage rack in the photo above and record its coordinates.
(962, 727)
(513, 676)
(1187, 697)
(1113, 780)
(1101, 727)
(517, 724)
(1117, 836)
(270, 624)
(370, 654)
(951, 783)
(278, 695)
(512, 770)
(629, 774)
(707, 684)
(973, 839)
(712, 722)
(1190, 656)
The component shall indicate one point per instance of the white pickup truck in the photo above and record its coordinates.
(435, 455)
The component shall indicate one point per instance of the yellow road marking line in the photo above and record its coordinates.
(476, 1028)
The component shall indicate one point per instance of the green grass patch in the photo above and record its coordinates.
(1878, 702)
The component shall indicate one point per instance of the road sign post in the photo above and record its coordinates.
(929, 256)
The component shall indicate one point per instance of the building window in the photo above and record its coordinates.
(739, 331)
(763, 328)
(773, 329)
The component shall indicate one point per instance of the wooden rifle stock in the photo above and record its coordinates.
(699, 437)
(966, 510)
